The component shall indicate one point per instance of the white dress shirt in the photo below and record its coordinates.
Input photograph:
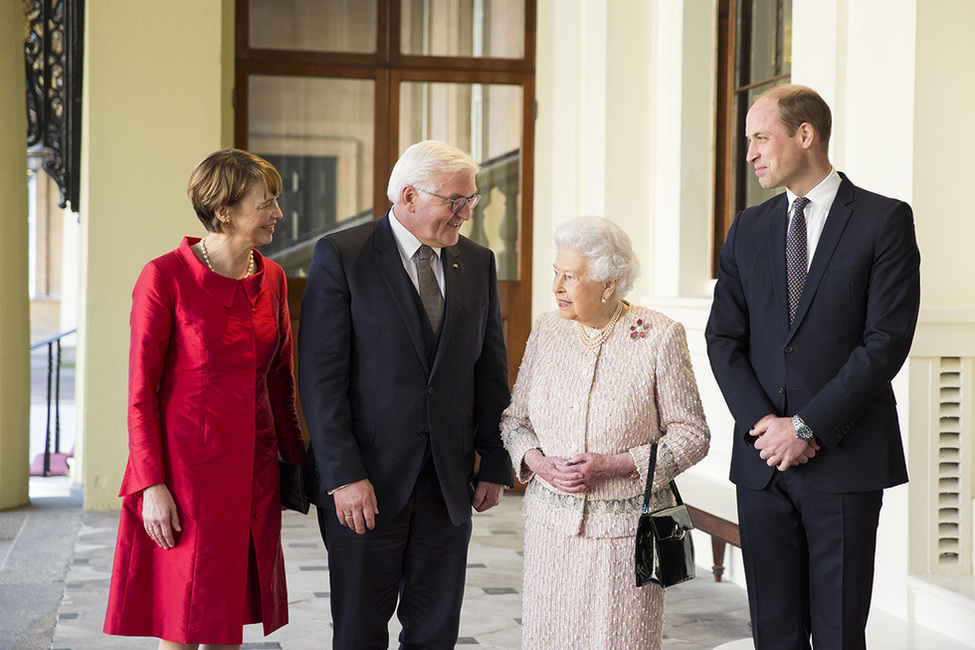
(820, 201)
(407, 243)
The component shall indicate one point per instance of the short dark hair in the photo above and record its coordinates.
(799, 104)
(224, 178)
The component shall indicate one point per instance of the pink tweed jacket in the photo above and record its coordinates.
(636, 388)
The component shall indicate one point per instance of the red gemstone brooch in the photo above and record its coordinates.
(638, 331)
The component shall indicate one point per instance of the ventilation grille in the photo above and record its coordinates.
(949, 462)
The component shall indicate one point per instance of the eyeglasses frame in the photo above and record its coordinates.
(471, 200)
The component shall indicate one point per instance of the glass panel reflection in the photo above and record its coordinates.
(764, 40)
(478, 28)
(315, 25)
(485, 120)
(763, 33)
(319, 135)
(783, 46)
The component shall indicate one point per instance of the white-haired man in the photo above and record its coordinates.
(403, 376)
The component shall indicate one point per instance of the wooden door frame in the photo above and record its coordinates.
(387, 67)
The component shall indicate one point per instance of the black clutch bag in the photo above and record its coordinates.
(664, 549)
(293, 495)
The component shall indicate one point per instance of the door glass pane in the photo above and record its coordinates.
(479, 28)
(486, 121)
(764, 39)
(783, 45)
(763, 34)
(317, 25)
(319, 134)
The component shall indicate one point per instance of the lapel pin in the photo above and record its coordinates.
(456, 265)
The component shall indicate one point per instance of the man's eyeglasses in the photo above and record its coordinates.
(456, 204)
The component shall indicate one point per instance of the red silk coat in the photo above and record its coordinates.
(211, 404)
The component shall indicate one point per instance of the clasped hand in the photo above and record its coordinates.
(776, 440)
(576, 474)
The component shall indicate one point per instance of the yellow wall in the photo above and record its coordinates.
(157, 100)
(14, 306)
(943, 104)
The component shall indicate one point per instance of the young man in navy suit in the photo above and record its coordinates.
(403, 377)
(814, 312)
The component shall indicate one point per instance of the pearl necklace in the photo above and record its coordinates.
(593, 341)
(206, 258)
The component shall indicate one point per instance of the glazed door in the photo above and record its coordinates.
(332, 92)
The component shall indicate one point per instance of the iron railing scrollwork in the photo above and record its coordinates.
(53, 47)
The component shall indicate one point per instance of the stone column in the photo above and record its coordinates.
(14, 303)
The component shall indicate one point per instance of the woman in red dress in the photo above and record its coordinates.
(211, 408)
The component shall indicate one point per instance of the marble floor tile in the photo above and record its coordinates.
(55, 564)
(701, 614)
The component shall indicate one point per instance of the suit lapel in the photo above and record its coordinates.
(454, 280)
(390, 266)
(839, 216)
(778, 219)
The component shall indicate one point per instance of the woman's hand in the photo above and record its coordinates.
(159, 515)
(555, 471)
(593, 469)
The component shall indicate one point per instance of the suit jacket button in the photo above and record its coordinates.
(789, 349)
(430, 391)
(781, 390)
(422, 434)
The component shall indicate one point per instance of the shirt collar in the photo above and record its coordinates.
(822, 195)
(406, 242)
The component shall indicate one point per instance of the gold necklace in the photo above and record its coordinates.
(593, 341)
(206, 258)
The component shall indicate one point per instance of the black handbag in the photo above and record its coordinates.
(664, 549)
(293, 495)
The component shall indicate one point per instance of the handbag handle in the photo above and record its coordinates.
(650, 472)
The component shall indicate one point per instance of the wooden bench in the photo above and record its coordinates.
(722, 532)
(714, 512)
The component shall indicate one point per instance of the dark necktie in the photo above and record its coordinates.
(429, 289)
(796, 255)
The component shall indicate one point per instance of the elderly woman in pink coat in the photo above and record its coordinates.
(601, 380)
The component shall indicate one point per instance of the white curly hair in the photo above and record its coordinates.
(606, 249)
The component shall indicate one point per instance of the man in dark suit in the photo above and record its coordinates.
(813, 315)
(403, 376)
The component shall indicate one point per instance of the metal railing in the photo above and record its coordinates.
(53, 383)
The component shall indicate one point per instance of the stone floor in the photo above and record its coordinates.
(55, 562)
(700, 614)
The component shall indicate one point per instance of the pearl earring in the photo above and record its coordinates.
(604, 301)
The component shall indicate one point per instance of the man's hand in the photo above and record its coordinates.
(776, 440)
(486, 495)
(356, 506)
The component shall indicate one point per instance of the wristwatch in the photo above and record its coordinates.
(803, 432)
